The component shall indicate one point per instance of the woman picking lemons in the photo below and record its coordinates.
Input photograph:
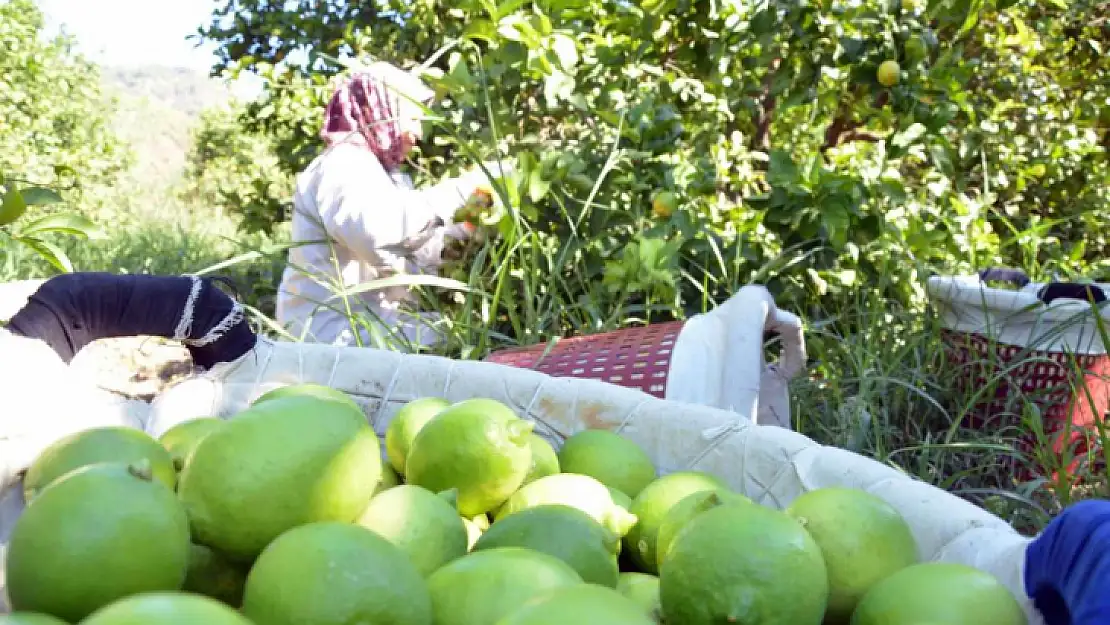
(358, 218)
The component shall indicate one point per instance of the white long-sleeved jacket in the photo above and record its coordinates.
(379, 226)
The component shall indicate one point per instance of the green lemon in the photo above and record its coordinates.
(105, 444)
(405, 426)
(333, 573)
(98, 534)
(609, 458)
(166, 608)
(545, 461)
(281, 463)
(183, 438)
(684, 511)
(939, 592)
(863, 541)
(482, 587)
(467, 447)
(306, 389)
(561, 531)
(577, 491)
(743, 564)
(651, 506)
(584, 604)
(426, 527)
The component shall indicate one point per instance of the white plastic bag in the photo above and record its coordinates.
(718, 358)
(1020, 317)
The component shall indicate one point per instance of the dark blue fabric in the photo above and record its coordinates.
(71, 310)
(1067, 567)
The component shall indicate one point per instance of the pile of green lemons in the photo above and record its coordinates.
(287, 514)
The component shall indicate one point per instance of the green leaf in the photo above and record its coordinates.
(537, 186)
(49, 252)
(41, 196)
(12, 207)
(909, 135)
(66, 223)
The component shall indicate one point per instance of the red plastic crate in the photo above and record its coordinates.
(1072, 390)
(638, 358)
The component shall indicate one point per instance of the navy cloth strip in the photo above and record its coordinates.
(69, 311)
(1067, 567)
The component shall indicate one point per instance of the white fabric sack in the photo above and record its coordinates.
(718, 358)
(770, 464)
(1018, 317)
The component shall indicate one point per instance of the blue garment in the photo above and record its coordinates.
(1067, 567)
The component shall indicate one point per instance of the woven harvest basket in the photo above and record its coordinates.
(772, 465)
(1040, 346)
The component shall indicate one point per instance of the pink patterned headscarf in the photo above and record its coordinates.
(367, 109)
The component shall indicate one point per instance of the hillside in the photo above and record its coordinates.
(156, 110)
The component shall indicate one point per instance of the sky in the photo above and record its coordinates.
(135, 32)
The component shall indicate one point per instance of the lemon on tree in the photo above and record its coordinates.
(406, 424)
(97, 534)
(564, 532)
(889, 73)
(334, 573)
(577, 491)
(426, 527)
(104, 444)
(166, 608)
(664, 204)
(743, 564)
(584, 604)
(652, 504)
(482, 453)
(939, 592)
(609, 458)
(863, 541)
(915, 49)
(281, 463)
(485, 586)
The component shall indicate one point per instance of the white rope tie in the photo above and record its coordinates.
(185, 326)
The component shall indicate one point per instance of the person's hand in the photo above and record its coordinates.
(479, 206)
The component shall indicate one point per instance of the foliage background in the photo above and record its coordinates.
(765, 117)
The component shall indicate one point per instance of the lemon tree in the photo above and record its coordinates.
(770, 122)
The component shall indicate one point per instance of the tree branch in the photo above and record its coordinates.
(844, 130)
(761, 140)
